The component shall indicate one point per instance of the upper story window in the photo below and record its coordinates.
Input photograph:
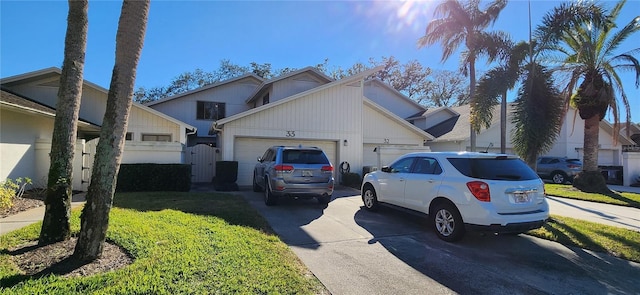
(209, 110)
(265, 99)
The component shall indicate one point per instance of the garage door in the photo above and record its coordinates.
(247, 150)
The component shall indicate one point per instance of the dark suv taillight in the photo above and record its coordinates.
(327, 169)
(283, 168)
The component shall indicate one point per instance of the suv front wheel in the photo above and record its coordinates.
(447, 222)
(256, 186)
(558, 177)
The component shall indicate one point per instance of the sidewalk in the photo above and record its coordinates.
(34, 215)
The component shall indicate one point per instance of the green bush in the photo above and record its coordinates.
(10, 189)
(351, 180)
(154, 177)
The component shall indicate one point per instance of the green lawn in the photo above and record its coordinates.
(616, 241)
(568, 191)
(182, 243)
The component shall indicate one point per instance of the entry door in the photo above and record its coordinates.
(202, 158)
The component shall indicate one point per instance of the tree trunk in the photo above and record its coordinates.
(503, 123)
(95, 216)
(590, 179)
(55, 224)
(472, 94)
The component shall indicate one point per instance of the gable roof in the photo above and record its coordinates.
(461, 129)
(397, 93)
(312, 70)
(57, 72)
(251, 76)
(11, 100)
(343, 81)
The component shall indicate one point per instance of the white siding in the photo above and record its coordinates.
(292, 85)
(380, 129)
(184, 108)
(247, 150)
(390, 100)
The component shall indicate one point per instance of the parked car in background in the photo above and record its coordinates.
(461, 191)
(303, 172)
(558, 169)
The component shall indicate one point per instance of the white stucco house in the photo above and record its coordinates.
(27, 112)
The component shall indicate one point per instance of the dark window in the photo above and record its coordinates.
(128, 136)
(265, 99)
(426, 166)
(156, 137)
(209, 110)
(304, 157)
(402, 165)
(499, 168)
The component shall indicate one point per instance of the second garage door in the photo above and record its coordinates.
(247, 150)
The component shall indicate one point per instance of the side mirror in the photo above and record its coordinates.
(386, 169)
(260, 159)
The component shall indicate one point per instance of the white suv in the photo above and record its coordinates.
(462, 191)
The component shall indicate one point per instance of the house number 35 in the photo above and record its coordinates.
(291, 133)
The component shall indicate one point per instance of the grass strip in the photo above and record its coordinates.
(615, 198)
(619, 242)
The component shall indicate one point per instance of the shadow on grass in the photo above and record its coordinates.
(566, 235)
(232, 208)
(620, 197)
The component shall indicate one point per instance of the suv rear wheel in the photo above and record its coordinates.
(558, 177)
(447, 222)
(256, 186)
(269, 198)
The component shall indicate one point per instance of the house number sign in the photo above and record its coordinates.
(291, 133)
(386, 140)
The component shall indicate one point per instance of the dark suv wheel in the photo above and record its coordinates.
(269, 198)
(558, 177)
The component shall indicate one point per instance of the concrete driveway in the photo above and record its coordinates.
(354, 251)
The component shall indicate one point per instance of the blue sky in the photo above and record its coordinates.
(185, 35)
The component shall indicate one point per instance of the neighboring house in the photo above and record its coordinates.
(333, 115)
(26, 121)
(568, 144)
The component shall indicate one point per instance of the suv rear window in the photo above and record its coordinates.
(500, 168)
(304, 157)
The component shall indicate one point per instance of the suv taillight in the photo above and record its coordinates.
(480, 190)
(283, 168)
(328, 169)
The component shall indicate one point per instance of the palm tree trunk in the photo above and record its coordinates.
(591, 133)
(55, 224)
(503, 123)
(95, 216)
(472, 92)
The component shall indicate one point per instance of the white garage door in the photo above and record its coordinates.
(247, 150)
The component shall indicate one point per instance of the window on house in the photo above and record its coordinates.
(129, 136)
(156, 137)
(209, 110)
(265, 99)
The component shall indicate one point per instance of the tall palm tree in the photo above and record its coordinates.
(95, 215)
(466, 23)
(583, 38)
(55, 224)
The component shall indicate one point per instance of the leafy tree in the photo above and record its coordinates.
(95, 215)
(466, 23)
(583, 39)
(55, 225)
(445, 88)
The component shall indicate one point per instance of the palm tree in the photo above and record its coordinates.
(583, 38)
(465, 23)
(95, 215)
(55, 224)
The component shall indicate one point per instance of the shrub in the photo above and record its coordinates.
(351, 180)
(10, 189)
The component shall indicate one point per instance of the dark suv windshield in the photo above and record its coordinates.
(304, 157)
(500, 168)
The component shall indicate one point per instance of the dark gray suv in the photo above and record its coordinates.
(303, 172)
(558, 169)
